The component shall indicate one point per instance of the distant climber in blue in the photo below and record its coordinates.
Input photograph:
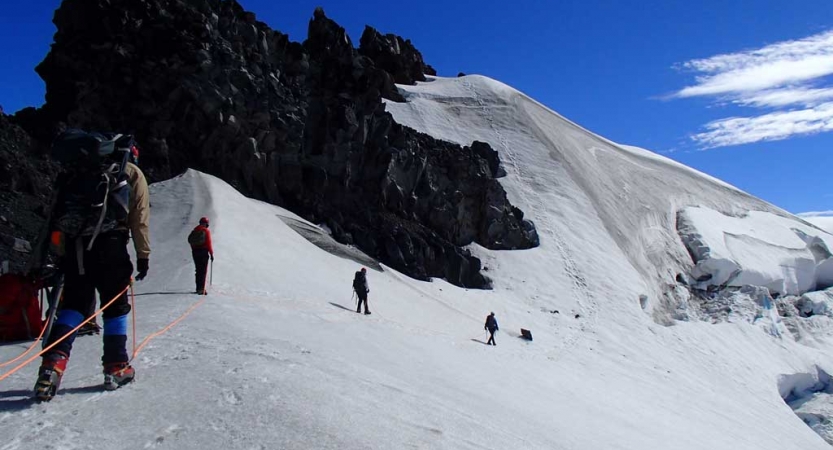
(491, 325)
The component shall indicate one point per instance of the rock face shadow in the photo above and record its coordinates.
(324, 241)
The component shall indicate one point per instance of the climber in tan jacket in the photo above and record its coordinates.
(138, 219)
(98, 261)
(138, 225)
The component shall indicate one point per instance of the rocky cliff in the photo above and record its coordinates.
(25, 190)
(204, 84)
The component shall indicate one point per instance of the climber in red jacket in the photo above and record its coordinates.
(202, 251)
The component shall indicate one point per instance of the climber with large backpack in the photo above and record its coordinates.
(361, 288)
(92, 327)
(201, 251)
(491, 326)
(102, 198)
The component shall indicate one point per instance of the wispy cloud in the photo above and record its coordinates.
(786, 78)
(768, 127)
(816, 214)
(787, 96)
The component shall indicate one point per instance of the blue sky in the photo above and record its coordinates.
(645, 73)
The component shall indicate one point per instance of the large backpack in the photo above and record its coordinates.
(20, 311)
(93, 191)
(360, 282)
(197, 237)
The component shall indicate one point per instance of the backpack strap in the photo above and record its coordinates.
(113, 172)
(101, 216)
(117, 199)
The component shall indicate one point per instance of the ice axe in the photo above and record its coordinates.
(53, 298)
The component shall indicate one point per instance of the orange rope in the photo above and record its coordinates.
(34, 344)
(69, 333)
(136, 349)
(162, 331)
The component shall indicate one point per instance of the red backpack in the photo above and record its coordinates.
(20, 310)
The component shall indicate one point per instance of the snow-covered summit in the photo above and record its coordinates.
(645, 211)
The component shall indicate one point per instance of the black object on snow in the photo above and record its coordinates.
(526, 334)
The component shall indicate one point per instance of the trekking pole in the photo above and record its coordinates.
(43, 301)
(211, 273)
(133, 312)
(53, 298)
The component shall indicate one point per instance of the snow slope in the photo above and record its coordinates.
(821, 220)
(276, 359)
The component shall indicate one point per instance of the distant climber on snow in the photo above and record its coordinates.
(491, 325)
(361, 288)
(202, 251)
(101, 199)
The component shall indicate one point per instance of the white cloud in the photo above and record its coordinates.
(786, 96)
(775, 65)
(816, 214)
(787, 77)
(768, 127)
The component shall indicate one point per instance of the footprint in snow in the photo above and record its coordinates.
(162, 435)
(231, 397)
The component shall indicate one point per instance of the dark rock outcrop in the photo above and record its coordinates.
(203, 84)
(25, 189)
(394, 55)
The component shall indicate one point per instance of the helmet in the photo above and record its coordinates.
(203, 220)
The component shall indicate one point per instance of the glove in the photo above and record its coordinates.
(142, 267)
(212, 256)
